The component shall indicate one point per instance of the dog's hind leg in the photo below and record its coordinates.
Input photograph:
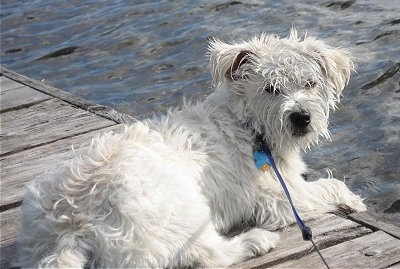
(69, 253)
(214, 250)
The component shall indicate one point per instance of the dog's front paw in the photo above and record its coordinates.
(260, 241)
(344, 200)
(355, 202)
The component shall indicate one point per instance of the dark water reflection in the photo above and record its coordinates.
(141, 57)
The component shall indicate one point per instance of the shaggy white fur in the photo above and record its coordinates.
(165, 192)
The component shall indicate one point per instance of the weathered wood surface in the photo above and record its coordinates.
(394, 266)
(45, 123)
(100, 110)
(376, 250)
(375, 221)
(9, 226)
(39, 124)
(21, 167)
(327, 231)
(14, 95)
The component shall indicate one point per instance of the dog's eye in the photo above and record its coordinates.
(310, 84)
(271, 89)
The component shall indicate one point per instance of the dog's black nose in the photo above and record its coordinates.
(300, 120)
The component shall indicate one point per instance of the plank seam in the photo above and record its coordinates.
(10, 206)
(323, 244)
(56, 140)
(23, 106)
(394, 264)
(12, 89)
(100, 110)
(372, 227)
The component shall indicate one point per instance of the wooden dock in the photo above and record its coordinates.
(39, 123)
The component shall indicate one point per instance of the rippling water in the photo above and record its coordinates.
(141, 57)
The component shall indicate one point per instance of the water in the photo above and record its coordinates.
(141, 57)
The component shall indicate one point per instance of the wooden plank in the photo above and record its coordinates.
(8, 254)
(327, 231)
(9, 228)
(9, 223)
(395, 266)
(45, 122)
(103, 111)
(7, 84)
(376, 250)
(378, 222)
(18, 96)
(19, 168)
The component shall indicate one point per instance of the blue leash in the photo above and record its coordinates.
(263, 160)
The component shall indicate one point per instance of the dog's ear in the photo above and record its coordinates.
(335, 63)
(228, 62)
(235, 72)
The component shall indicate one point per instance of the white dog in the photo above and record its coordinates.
(165, 192)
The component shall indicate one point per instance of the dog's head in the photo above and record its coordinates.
(282, 88)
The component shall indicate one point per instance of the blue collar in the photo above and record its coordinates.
(261, 154)
(263, 160)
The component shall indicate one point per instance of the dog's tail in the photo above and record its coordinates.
(70, 252)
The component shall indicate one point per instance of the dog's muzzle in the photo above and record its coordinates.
(300, 121)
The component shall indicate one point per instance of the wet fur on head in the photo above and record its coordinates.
(293, 69)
